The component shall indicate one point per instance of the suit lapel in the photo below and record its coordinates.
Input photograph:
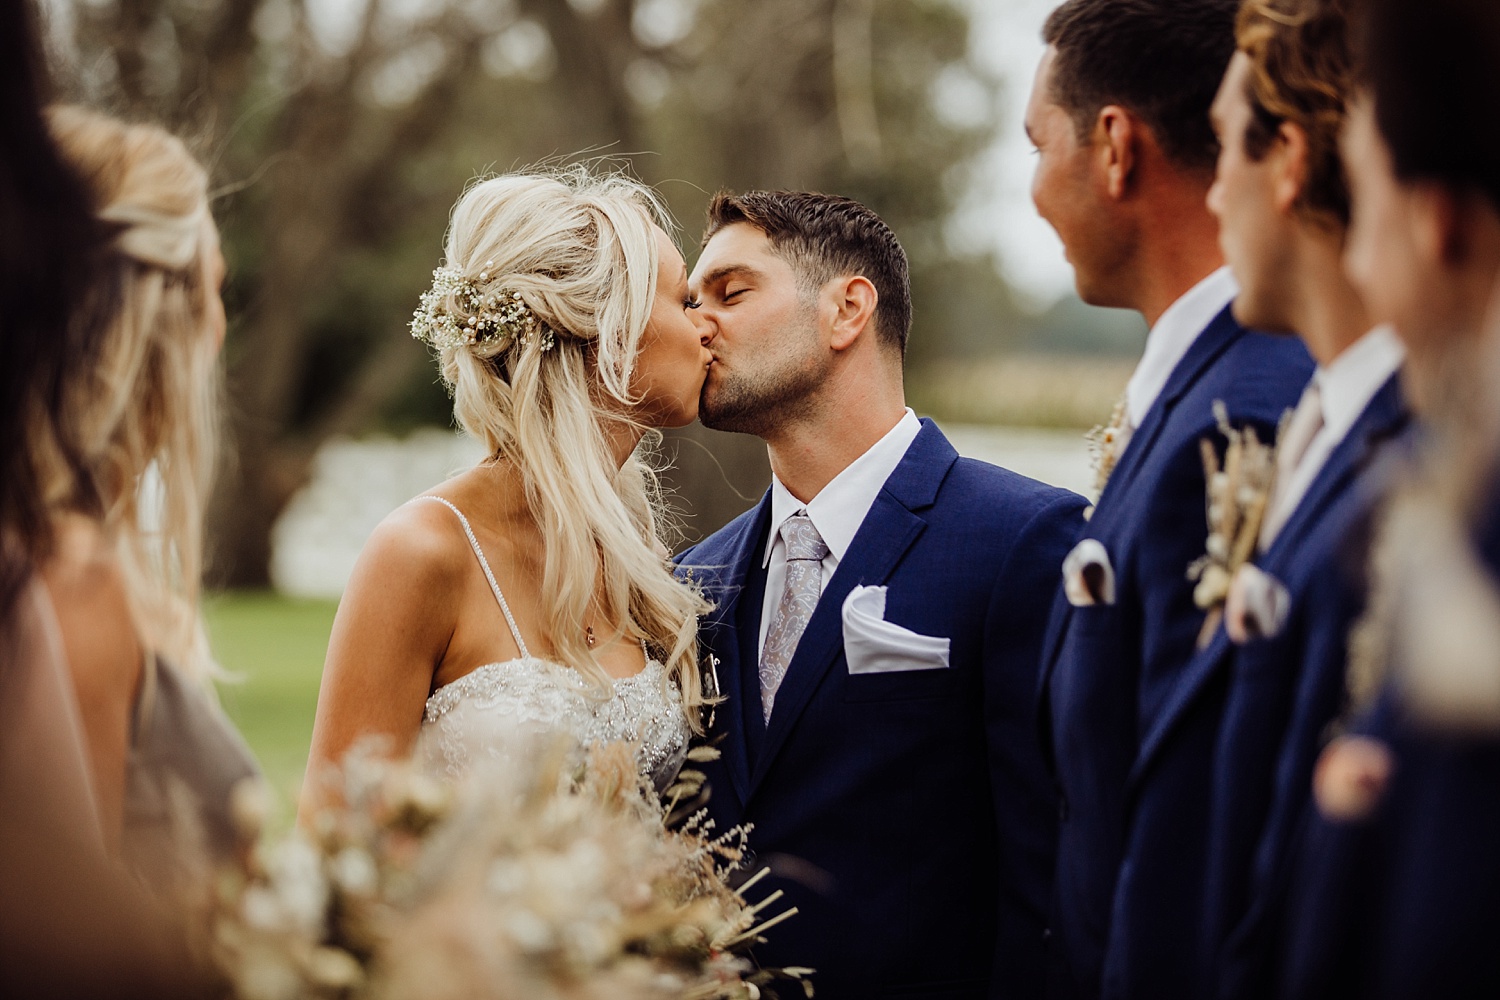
(1195, 677)
(1205, 350)
(887, 532)
(1382, 418)
(735, 611)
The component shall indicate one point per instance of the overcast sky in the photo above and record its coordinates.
(1007, 41)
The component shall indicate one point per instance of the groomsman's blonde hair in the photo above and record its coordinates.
(1302, 72)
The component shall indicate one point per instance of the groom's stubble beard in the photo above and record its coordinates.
(760, 401)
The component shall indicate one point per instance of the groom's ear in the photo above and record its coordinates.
(853, 300)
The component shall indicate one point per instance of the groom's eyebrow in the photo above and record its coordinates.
(719, 274)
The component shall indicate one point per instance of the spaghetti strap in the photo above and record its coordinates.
(488, 575)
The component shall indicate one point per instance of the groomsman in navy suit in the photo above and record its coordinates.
(1250, 707)
(1396, 887)
(1126, 155)
(877, 625)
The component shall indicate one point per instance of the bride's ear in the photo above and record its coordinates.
(854, 301)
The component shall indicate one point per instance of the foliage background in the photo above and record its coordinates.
(339, 132)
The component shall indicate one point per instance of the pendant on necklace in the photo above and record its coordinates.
(588, 635)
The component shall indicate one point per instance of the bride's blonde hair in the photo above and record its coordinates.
(146, 411)
(580, 251)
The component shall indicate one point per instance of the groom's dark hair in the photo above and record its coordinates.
(1162, 60)
(824, 236)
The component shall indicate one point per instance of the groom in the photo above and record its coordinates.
(877, 625)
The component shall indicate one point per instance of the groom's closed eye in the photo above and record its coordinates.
(719, 285)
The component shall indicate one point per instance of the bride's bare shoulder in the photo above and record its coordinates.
(422, 540)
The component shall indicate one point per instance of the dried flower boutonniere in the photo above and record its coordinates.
(1239, 490)
(1106, 443)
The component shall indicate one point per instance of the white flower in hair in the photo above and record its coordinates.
(499, 315)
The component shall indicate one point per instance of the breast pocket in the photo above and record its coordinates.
(902, 673)
(887, 661)
(1100, 620)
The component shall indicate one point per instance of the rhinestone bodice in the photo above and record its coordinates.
(501, 709)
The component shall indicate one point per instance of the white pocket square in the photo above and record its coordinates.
(873, 645)
(1088, 578)
(1256, 607)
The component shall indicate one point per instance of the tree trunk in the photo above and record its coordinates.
(254, 487)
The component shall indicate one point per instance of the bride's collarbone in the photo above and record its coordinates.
(477, 644)
(512, 551)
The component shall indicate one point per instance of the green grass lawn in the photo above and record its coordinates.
(274, 647)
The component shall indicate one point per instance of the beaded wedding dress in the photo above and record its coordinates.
(524, 705)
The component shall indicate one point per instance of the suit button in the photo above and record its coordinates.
(749, 861)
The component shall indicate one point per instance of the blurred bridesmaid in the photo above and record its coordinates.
(72, 923)
(124, 570)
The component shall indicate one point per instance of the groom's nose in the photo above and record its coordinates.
(708, 328)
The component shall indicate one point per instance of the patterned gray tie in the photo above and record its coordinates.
(805, 552)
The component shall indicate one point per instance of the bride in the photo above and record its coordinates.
(531, 594)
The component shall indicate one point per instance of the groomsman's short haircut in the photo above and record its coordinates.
(1302, 72)
(824, 236)
(1434, 68)
(1162, 60)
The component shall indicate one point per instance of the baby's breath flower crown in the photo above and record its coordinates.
(497, 316)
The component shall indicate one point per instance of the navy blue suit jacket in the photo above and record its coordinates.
(907, 815)
(1212, 747)
(1109, 669)
(1284, 693)
(1407, 903)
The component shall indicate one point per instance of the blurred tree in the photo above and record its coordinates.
(342, 130)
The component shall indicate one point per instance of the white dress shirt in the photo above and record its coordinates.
(837, 511)
(1170, 338)
(1345, 388)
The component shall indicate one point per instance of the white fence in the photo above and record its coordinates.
(355, 484)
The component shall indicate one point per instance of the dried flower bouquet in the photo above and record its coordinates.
(563, 883)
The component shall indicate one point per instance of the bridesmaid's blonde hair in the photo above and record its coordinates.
(147, 408)
(580, 251)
